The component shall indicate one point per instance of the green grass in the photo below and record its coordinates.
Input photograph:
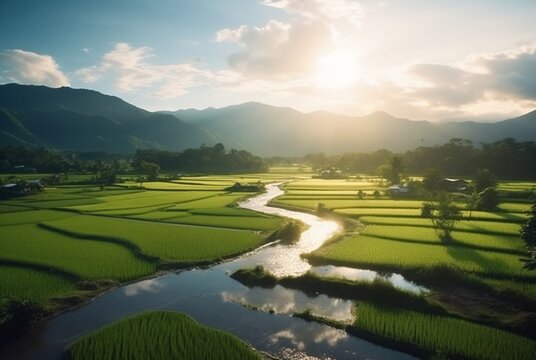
(355, 203)
(465, 225)
(428, 235)
(167, 241)
(160, 335)
(176, 185)
(525, 289)
(143, 200)
(32, 216)
(212, 202)
(25, 283)
(514, 207)
(371, 252)
(358, 212)
(235, 222)
(228, 211)
(86, 259)
(454, 337)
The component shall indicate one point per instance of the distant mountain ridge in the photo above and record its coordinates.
(270, 130)
(78, 119)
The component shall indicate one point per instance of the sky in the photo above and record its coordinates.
(418, 59)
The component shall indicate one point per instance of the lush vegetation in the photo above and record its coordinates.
(164, 241)
(160, 335)
(58, 240)
(205, 159)
(450, 337)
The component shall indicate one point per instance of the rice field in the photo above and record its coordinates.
(160, 335)
(363, 251)
(32, 216)
(26, 283)
(146, 199)
(166, 241)
(452, 337)
(495, 242)
(211, 202)
(94, 233)
(494, 227)
(84, 259)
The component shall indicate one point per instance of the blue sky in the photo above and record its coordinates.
(413, 58)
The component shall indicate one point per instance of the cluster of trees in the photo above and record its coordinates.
(213, 159)
(507, 158)
(43, 160)
(106, 166)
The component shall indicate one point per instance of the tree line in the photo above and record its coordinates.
(205, 159)
(507, 159)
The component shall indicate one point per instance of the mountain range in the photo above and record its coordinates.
(66, 118)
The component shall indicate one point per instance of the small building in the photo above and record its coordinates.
(12, 189)
(450, 184)
(398, 190)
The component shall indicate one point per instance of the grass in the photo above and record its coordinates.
(160, 335)
(453, 337)
(85, 259)
(26, 283)
(212, 202)
(234, 222)
(32, 216)
(371, 252)
(350, 203)
(464, 225)
(144, 199)
(483, 240)
(166, 241)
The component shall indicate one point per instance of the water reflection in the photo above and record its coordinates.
(150, 285)
(285, 260)
(352, 274)
(210, 296)
(320, 335)
(281, 300)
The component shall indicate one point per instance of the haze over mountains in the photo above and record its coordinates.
(66, 118)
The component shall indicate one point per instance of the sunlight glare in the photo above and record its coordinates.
(336, 71)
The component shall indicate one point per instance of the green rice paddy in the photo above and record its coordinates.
(160, 335)
(26, 283)
(75, 233)
(452, 337)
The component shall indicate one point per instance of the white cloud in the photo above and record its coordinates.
(278, 50)
(27, 67)
(129, 70)
(329, 11)
(507, 75)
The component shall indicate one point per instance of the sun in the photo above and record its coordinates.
(336, 71)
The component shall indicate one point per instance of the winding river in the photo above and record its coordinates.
(213, 298)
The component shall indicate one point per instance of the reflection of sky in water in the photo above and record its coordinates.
(359, 274)
(285, 260)
(321, 335)
(150, 285)
(287, 301)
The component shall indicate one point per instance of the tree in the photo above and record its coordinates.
(392, 169)
(528, 234)
(444, 218)
(472, 201)
(432, 181)
(151, 169)
(488, 200)
(484, 179)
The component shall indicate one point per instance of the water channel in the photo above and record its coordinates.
(260, 316)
